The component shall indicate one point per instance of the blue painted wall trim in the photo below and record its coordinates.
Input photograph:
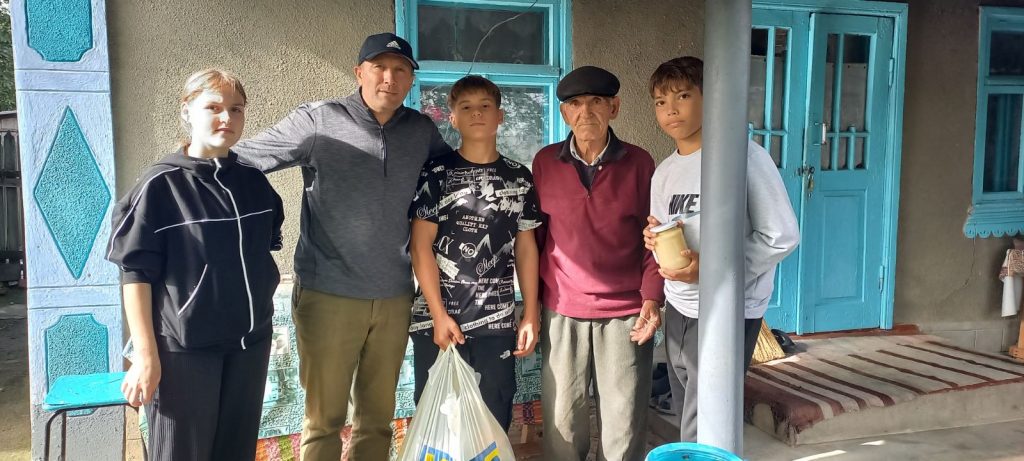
(867, 7)
(71, 194)
(59, 30)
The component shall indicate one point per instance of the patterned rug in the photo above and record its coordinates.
(843, 375)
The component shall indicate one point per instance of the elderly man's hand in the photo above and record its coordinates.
(689, 274)
(647, 323)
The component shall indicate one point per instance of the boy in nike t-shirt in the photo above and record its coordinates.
(473, 218)
(771, 231)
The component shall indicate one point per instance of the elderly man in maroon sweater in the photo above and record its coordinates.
(600, 288)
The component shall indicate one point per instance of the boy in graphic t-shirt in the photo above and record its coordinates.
(473, 218)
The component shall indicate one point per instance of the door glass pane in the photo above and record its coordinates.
(826, 157)
(781, 59)
(856, 49)
(776, 150)
(858, 155)
(450, 33)
(831, 53)
(521, 135)
(1002, 143)
(760, 62)
(1006, 53)
(758, 78)
(841, 158)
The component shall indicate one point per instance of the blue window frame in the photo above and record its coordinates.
(998, 187)
(521, 45)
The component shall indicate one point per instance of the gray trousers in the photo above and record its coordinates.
(681, 346)
(581, 352)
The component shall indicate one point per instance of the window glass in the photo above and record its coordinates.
(454, 33)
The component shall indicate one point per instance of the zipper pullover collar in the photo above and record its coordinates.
(202, 167)
(357, 106)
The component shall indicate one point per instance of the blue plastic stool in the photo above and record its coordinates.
(80, 392)
(690, 452)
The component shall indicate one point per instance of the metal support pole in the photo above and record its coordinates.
(723, 223)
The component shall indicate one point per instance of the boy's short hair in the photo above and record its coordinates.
(671, 74)
(471, 83)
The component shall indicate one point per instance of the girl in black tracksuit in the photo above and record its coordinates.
(193, 239)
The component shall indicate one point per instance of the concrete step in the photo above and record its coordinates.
(847, 388)
(987, 405)
(853, 387)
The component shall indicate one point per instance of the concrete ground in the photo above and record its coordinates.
(993, 442)
(1001, 441)
(14, 407)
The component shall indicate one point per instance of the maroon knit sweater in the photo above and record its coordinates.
(593, 263)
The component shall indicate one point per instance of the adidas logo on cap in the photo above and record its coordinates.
(394, 44)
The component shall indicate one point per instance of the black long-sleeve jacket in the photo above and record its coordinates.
(200, 231)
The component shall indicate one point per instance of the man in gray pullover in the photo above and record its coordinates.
(360, 157)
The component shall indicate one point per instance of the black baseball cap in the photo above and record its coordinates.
(386, 42)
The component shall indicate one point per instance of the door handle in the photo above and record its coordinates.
(823, 139)
(808, 171)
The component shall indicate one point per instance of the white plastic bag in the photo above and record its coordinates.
(452, 423)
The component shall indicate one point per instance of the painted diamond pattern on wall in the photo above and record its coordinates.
(76, 345)
(72, 194)
(60, 30)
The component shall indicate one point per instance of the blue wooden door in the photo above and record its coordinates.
(844, 169)
(824, 95)
(777, 118)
